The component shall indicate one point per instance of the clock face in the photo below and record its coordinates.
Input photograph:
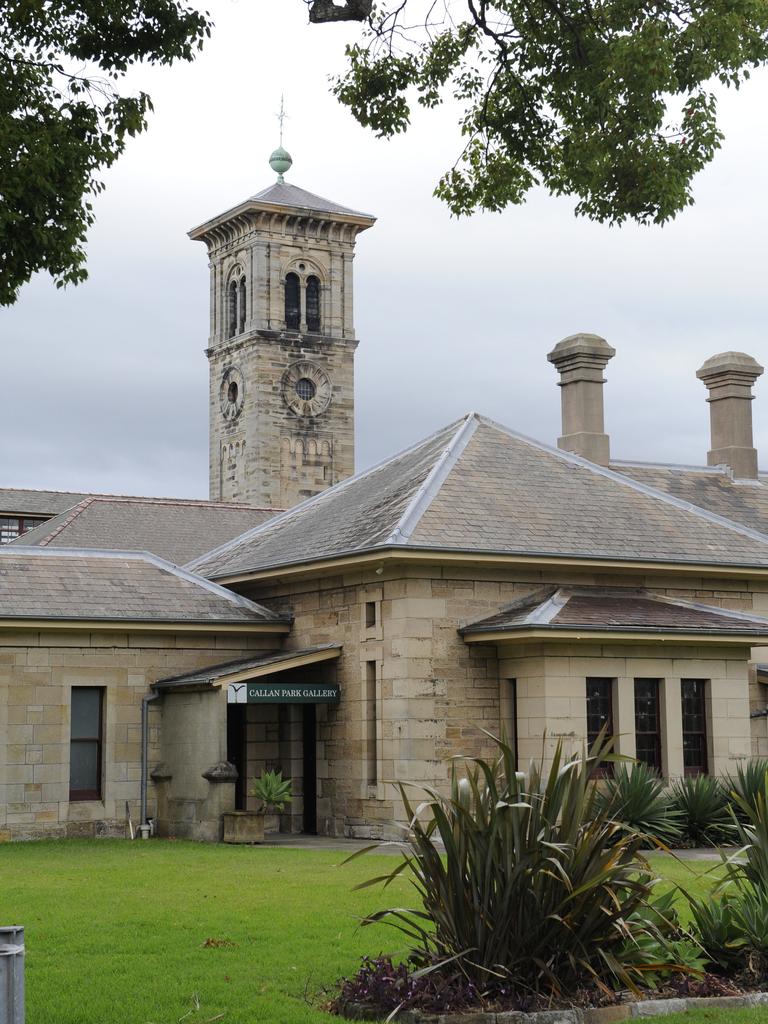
(306, 389)
(231, 393)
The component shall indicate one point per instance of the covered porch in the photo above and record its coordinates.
(222, 726)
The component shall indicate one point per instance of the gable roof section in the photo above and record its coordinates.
(117, 586)
(176, 529)
(609, 609)
(709, 487)
(478, 487)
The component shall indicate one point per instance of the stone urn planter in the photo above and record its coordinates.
(243, 827)
(273, 792)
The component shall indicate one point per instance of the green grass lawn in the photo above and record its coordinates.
(758, 1015)
(116, 931)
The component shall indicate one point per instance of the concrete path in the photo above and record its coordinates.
(305, 842)
(342, 845)
(704, 853)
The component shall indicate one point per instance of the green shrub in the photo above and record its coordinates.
(665, 938)
(703, 805)
(750, 917)
(636, 798)
(714, 925)
(747, 784)
(750, 818)
(537, 888)
(733, 929)
(273, 790)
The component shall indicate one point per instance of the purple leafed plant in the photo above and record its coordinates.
(385, 985)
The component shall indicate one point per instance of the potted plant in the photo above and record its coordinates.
(273, 792)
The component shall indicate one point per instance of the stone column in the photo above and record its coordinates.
(729, 377)
(624, 716)
(671, 729)
(580, 360)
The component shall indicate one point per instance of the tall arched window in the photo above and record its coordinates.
(313, 305)
(292, 302)
(232, 319)
(241, 311)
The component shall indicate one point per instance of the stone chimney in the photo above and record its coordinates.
(580, 360)
(729, 377)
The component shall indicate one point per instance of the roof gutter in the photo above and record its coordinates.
(143, 625)
(744, 638)
(442, 555)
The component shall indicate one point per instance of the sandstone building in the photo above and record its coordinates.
(157, 654)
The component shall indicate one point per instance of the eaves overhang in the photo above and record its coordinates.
(741, 638)
(244, 211)
(388, 554)
(216, 676)
(272, 628)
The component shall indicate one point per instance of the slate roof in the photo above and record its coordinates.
(284, 194)
(292, 198)
(22, 501)
(478, 487)
(176, 529)
(710, 487)
(622, 609)
(40, 583)
(208, 676)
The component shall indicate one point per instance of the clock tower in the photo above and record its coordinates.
(282, 344)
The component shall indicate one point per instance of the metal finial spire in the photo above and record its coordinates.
(281, 161)
(282, 116)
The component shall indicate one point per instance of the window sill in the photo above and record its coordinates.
(86, 810)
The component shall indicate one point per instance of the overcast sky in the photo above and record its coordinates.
(105, 385)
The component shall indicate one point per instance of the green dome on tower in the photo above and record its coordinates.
(280, 162)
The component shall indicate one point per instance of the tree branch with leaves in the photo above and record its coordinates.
(326, 10)
(63, 119)
(611, 102)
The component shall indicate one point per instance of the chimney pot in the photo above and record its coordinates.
(580, 359)
(729, 377)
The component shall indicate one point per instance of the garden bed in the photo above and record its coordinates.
(589, 1006)
(536, 903)
(572, 1015)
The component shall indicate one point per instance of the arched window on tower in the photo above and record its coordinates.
(292, 302)
(313, 305)
(241, 307)
(232, 319)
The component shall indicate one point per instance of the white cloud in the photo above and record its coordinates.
(105, 386)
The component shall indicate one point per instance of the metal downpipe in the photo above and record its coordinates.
(146, 700)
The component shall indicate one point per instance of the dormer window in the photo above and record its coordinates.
(292, 302)
(313, 305)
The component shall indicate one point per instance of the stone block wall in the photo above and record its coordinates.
(269, 455)
(434, 694)
(37, 672)
(551, 688)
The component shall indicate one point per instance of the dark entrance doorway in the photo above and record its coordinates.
(309, 757)
(237, 750)
(250, 754)
(273, 723)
